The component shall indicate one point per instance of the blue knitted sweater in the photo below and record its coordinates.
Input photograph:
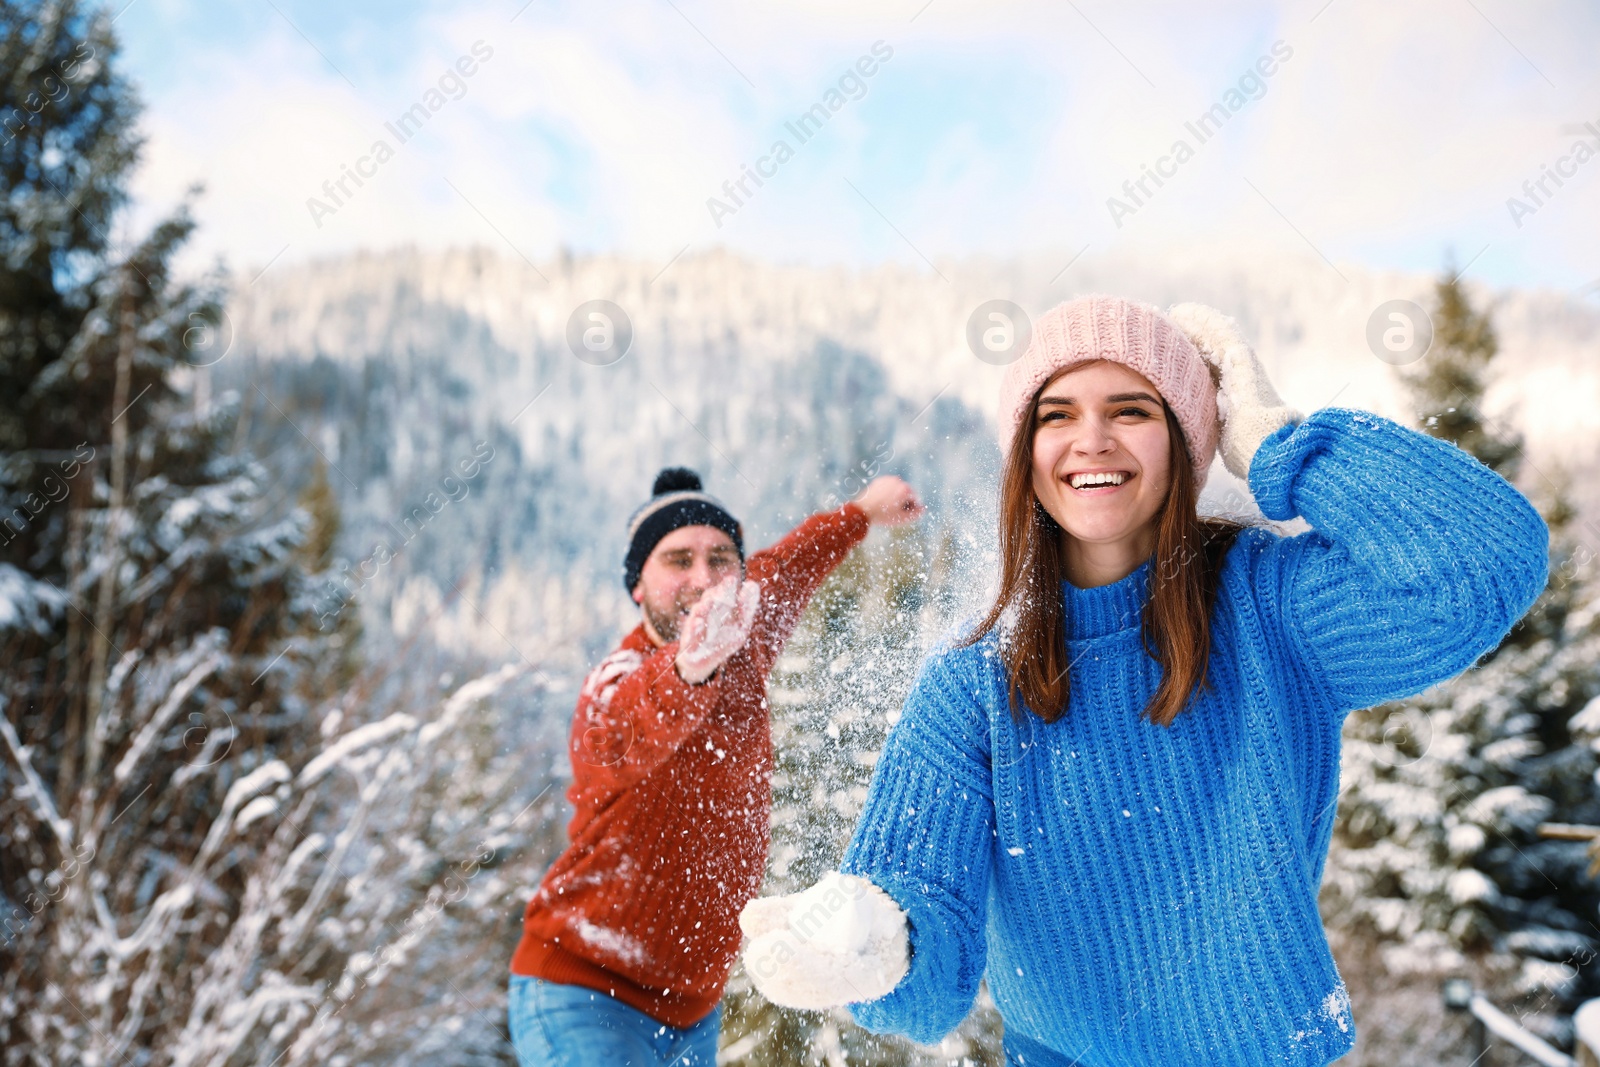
(1140, 895)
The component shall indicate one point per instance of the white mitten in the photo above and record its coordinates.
(840, 942)
(716, 628)
(1248, 406)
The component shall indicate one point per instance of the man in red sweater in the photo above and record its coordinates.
(627, 944)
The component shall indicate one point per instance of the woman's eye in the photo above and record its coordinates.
(1134, 411)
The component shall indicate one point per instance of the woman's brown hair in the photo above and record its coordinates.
(1176, 625)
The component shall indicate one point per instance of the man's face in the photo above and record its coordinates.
(683, 565)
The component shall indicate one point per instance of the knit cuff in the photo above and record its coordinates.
(926, 1005)
(1283, 455)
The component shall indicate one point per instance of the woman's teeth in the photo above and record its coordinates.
(1095, 481)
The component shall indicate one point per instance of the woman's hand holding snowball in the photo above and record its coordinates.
(843, 941)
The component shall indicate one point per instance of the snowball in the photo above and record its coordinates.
(842, 941)
(837, 915)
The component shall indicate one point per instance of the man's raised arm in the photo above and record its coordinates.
(793, 569)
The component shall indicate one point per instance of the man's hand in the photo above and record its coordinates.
(717, 627)
(888, 501)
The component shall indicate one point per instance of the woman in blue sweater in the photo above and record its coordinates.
(1114, 797)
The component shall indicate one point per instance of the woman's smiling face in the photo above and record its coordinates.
(1101, 459)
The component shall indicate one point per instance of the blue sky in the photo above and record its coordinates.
(1391, 136)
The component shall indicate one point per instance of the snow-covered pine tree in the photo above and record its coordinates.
(1448, 384)
(1436, 851)
(154, 628)
(212, 837)
(317, 556)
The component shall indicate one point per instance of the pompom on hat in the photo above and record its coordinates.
(1123, 331)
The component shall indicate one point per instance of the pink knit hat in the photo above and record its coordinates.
(1135, 335)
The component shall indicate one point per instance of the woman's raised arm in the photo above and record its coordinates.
(1419, 559)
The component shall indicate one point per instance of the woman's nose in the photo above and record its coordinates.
(1094, 435)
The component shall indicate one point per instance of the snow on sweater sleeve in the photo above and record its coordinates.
(925, 837)
(1419, 559)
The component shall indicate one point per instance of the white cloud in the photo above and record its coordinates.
(1393, 133)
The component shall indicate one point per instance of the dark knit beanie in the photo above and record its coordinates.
(676, 501)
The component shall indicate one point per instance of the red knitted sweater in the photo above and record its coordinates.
(672, 785)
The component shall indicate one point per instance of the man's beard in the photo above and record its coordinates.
(665, 624)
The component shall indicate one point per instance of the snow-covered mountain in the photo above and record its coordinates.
(776, 382)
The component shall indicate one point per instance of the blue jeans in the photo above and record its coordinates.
(555, 1025)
